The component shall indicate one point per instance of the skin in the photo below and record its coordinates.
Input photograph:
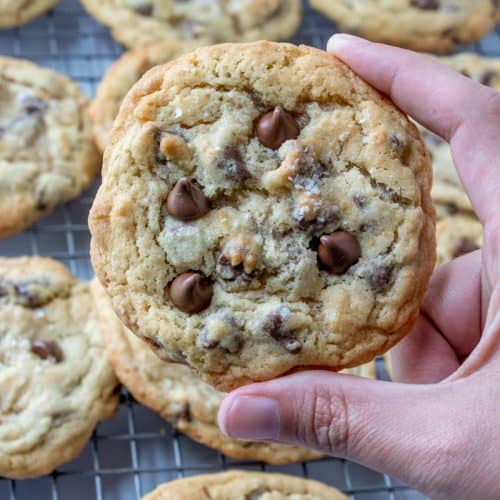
(437, 429)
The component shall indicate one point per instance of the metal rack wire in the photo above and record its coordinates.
(129, 455)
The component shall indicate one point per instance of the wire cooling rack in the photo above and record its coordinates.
(136, 450)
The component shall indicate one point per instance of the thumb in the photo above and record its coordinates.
(386, 426)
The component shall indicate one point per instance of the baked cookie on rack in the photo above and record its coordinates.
(47, 155)
(263, 209)
(55, 381)
(448, 193)
(135, 22)
(426, 25)
(456, 236)
(174, 391)
(176, 394)
(18, 12)
(238, 484)
(120, 78)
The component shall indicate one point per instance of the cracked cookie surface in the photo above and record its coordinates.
(55, 381)
(263, 209)
(47, 155)
(134, 22)
(18, 12)
(245, 485)
(427, 25)
(120, 78)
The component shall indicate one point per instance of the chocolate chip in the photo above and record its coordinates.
(399, 146)
(255, 494)
(234, 276)
(451, 208)
(186, 201)
(46, 349)
(338, 251)
(276, 127)
(191, 292)
(487, 77)
(274, 325)
(144, 10)
(380, 277)
(233, 165)
(183, 413)
(325, 218)
(359, 200)
(33, 105)
(425, 4)
(26, 292)
(465, 246)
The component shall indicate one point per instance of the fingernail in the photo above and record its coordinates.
(251, 417)
(340, 40)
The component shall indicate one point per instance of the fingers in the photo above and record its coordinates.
(424, 356)
(463, 112)
(453, 303)
(385, 426)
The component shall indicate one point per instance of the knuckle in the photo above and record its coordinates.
(324, 421)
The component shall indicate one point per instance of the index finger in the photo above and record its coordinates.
(464, 113)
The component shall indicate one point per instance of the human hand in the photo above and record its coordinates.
(439, 430)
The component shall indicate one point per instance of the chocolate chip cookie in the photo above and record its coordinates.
(246, 485)
(55, 381)
(18, 12)
(174, 391)
(47, 155)
(121, 77)
(135, 22)
(428, 25)
(456, 236)
(448, 193)
(263, 209)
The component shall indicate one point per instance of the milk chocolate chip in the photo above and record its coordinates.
(338, 251)
(191, 292)
(425, 4)
(144, 10)
(465, 246)
(380, 278)
(45, 349)
(276, 127)
(186, 201)
(487, 77)
(275, 325)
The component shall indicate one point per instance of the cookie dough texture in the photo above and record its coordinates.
(427, 25)
(47, 155)
(55, 381)
(120, 78)
(173, 391)
(135, 22)
(356, 166)
(240, 485)
(457, 236)
(18, 12)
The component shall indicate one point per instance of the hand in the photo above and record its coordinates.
(441, 436)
